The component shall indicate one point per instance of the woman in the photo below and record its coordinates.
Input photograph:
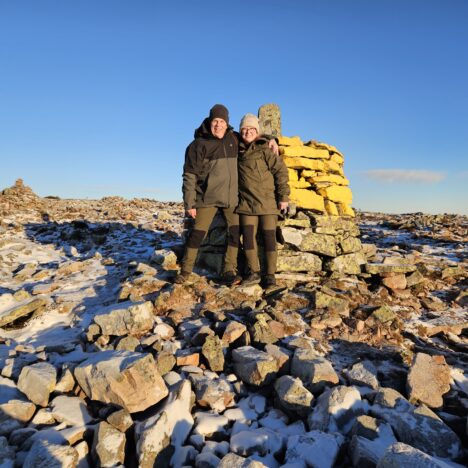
(263, 192)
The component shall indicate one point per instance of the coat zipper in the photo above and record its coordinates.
(229, 170)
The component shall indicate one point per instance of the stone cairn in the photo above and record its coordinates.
(320, 233)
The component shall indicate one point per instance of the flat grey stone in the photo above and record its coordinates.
(336, 409)
(37, 382)
(292, 395)
(253, 366)
(126, 318)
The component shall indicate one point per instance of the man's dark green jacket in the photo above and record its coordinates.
(210, 170)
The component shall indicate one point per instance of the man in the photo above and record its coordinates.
(209, 184)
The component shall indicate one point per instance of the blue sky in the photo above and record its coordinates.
(101, 97)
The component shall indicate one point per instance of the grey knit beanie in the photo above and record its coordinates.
(249, 120)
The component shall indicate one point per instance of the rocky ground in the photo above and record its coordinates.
(105, 362)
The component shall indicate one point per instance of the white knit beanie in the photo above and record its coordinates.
(249, 120)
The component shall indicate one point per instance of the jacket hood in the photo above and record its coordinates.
(204, 130)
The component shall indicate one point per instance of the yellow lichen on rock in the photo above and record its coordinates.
(307, 173)
(332, 166)
(338, 158)
(331, 208)
(293, 175)
(316, 176)
(345, 210)
(301, 183)
(332, 178)
(305, 152)
(290, 141)
(307, 199)
(304, 163)
(320, 144)
(336, 193)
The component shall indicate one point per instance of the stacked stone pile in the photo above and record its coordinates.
(316, 176)
(313, 243)
(19, 197)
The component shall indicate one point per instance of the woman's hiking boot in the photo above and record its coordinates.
(182, 277)
(230, 278)
(253, 278)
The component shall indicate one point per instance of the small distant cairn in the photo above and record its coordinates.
(18, 197)
(320, 234)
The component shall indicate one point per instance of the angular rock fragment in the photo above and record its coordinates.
(37, 382)
(418, 427)
(292, 395)
(350, 245)
(315, 448)
(170, 426)
(282, 357)
(395, 281)
(187, 357)
(217, 394)
(370, 438)
(296, 262)
(165, 362)
(231, 460)
(253, 366)
(401, 455)
(260, 441)
(336, 409)
(363, 373)
(381, 268)
(15, 410)
(307, 241)
(130, 380)
(165, 258)
(208, 424)
(21, 309)
(46, 454)
(262, 333)
(108, 445)
(71, 410)
(428, 380)
(346, 264)
(315, 371)
(384, 314)
(121, 420)
(212, 350)
(126, 318)
(164, 331)
(66, 382)
(326, 301)
(233, 331)
(128, 343)
(414, 278)
(15, 413)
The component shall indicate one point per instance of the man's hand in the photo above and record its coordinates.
(192, 213)
(273, 146)
(283, 206)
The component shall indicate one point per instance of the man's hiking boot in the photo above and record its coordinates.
(269, 281)
(182, 277)
(253, 278)
(230, 278)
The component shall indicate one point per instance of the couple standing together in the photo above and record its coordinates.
(242, 175)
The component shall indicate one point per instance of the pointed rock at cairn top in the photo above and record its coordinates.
(270, 119)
